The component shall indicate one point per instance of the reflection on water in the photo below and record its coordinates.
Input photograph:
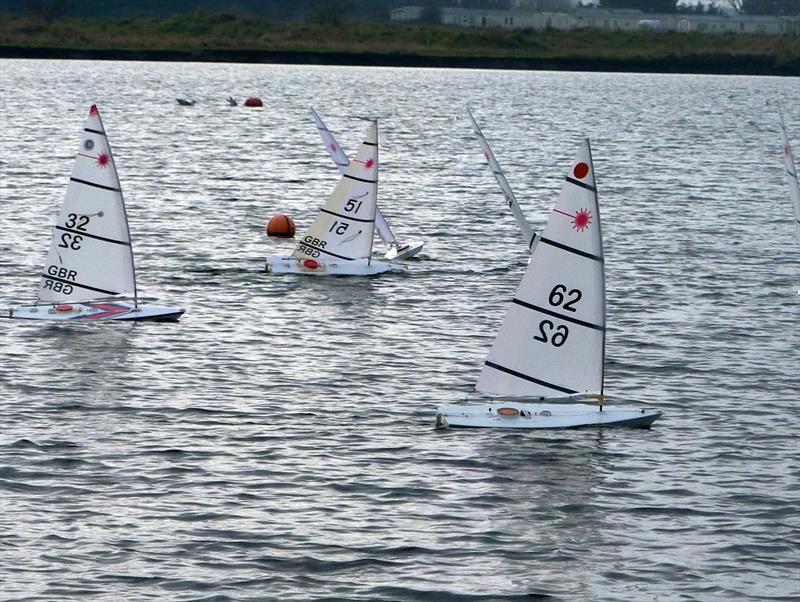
(280, 437)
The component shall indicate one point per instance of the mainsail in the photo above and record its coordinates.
(344, 227)
(342, 162)
(527, 231)
(791, 171)
(552, 340)
(90, 255)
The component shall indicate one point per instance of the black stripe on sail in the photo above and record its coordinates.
(355, 219)
(581, 184)
(321, 250)
(558, 245)
(86, 234)
(529, 378)
(111, 188)
(359, 179)
(558, 315)
(94, 131)
(79, 285)
(370, 143)
(533, 240)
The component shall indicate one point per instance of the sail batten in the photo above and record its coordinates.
(553, 336)
(529, 378)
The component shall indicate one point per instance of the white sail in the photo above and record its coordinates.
(527, 231)
(791, 171)
(552, 340)
(344, 227)
(331, 145)
(342, 161)
(90, 256)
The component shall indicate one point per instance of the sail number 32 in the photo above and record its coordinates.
(565, 299)
(76, 222)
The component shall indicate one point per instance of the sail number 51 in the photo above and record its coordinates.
(559, 297)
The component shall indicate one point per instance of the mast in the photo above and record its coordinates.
(375, 204)
(124, 212)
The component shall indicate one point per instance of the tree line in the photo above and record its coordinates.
(338, 10)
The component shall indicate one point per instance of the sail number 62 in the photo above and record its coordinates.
(559, 297)
(557, 334)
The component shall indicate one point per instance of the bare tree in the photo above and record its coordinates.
(738, 5)
(766, 7)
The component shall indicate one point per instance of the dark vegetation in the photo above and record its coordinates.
(228, 37)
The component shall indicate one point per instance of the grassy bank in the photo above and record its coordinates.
(229, 38)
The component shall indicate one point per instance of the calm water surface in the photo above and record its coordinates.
(278, 442)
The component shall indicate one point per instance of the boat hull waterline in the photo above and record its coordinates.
(542, 416)
(306, 267)
(96, 311)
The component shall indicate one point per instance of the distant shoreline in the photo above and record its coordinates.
(699, 64)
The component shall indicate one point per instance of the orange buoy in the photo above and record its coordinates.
(253, 102)
(280, 226)
(310, 264)
(64, 308)
(508, 411)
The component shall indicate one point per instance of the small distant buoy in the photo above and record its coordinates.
(310, 264)
(280, 226)
(64, 308)
(253, 102)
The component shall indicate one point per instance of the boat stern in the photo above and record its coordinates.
(401, 251)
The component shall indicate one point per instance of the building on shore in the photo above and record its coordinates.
(606, 20)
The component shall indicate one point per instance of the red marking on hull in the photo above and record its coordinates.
(108, 310)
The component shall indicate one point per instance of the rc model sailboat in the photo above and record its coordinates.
(396, 249)
(550, 348)
(90, 262)
(339, 241)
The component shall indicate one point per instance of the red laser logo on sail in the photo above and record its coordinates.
(581, 220)
(103, 160)
(333, 148)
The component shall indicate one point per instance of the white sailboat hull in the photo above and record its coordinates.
(95, 311)
(402, 251)
(306, 267)
(542, 416)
